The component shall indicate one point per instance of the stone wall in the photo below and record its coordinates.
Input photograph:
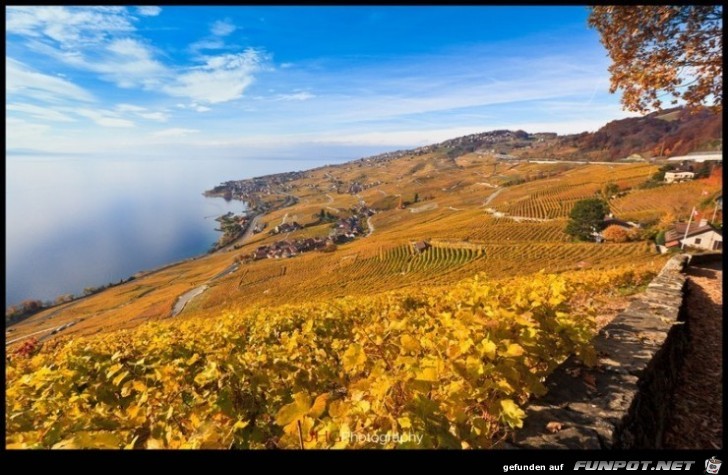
(621, 402)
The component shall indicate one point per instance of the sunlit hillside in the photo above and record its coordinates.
(474, 222)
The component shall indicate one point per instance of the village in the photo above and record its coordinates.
(343, 231)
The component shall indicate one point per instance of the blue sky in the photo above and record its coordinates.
(283, 81)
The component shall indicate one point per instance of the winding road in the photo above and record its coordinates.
(243, 237)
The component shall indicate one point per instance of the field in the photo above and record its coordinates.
(447, 340)
(451, 365)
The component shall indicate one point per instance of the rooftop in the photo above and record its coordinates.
(699, 157)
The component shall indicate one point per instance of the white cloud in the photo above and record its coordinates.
(127, 62)
(96, 39)
(130, 108)
(149, 10)
(142, 112)
(104, 118)
(70, 26)
(43, 113)
(222, 28)
(194, 106)
(175, 132)
(206, 44)
(158, 116)
(25, 81)
(296, 96)
(286, 65)
(223, 78)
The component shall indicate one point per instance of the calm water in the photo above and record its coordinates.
(75, 223)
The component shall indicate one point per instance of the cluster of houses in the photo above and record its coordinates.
(286, 228)
(265, 185)
(290, 248)
(346, 229)
(357, 187)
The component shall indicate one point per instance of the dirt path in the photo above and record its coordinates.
(185, 298)
(696, 415)
(492, 197)
(49, 331)
(370, 226)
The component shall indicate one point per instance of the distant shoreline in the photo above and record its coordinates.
(143, 272)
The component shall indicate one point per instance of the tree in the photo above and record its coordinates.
(609, 189)
(660, 50)
(615, 233)
(587, 217)
(417, 197)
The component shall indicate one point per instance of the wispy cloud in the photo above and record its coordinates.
(207, 44)
(222, 27)
(296, 96)
(43, 113)
(104, 118)
(127, 62)
(175, 132)
(149, 10)
(214, 41)
(143, 112)
(222, 78)
(23, 80)
(69, 26)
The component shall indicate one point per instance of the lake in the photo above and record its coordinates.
(73, 223)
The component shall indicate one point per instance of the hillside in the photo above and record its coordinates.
(665, 133)
(379, 293)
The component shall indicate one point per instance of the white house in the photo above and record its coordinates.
(700, 235)
(676, 176)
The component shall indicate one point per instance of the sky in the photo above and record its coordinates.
(244, 81)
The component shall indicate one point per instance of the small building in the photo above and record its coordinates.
(421, 246)
(676, 176)
(612, 221)
(700, 235)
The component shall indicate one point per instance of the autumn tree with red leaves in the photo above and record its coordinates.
(660, 50)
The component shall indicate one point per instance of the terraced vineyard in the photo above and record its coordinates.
(453, 365)
(383, 261)
(554, 198)
(678, 199)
